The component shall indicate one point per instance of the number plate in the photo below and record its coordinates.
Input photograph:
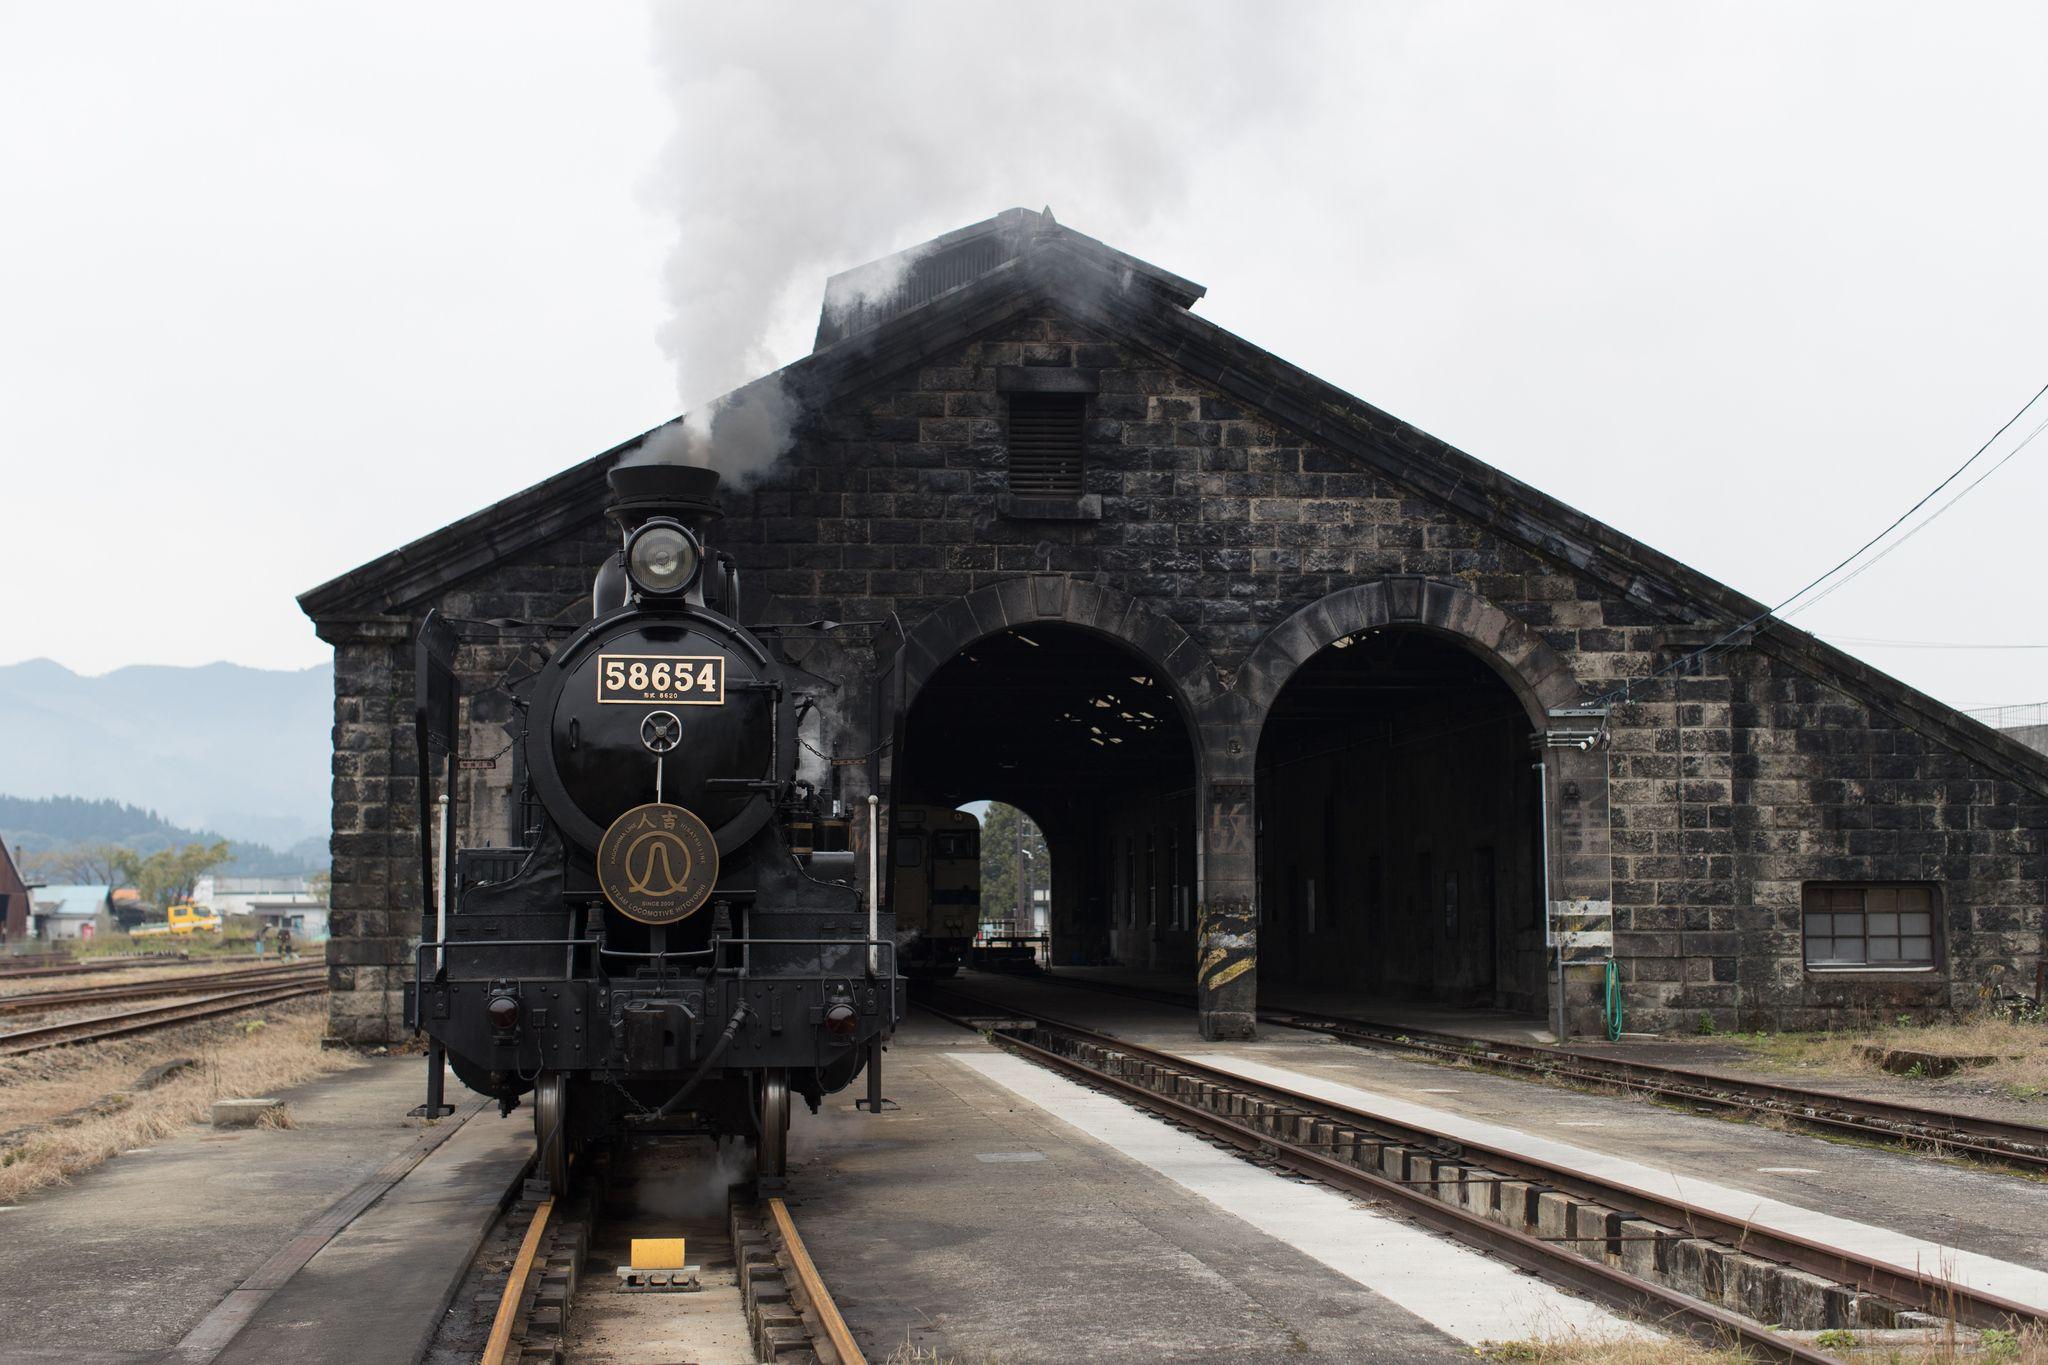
(664, 679)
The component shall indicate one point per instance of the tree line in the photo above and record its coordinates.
(163, 878)
(1012, 849)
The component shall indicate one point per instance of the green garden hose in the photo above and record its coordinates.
(1610, 1003)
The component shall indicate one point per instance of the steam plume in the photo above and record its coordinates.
(739, 434)
(811, 138)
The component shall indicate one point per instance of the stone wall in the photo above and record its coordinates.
(1722, 790)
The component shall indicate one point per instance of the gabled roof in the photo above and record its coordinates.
(10, 874)
(867, 296)
(70, 899)
(1148, 307)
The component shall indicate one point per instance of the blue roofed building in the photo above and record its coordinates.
(71, 911)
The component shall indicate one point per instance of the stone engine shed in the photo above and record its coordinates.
(1295, 690)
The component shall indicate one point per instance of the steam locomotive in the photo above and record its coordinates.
(676, 945)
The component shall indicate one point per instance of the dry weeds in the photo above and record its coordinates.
(909, 1354)
(1574, 1348)
(2020, 1049)
(237, 1058)
(1857, 1348)
(2029, 1347)
(130, 976)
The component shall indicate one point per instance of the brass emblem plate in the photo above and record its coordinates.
(657, 864)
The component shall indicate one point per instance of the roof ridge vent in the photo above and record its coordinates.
(869, 295)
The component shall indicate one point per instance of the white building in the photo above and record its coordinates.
(307, 919)
(69, 911)
(227, 896)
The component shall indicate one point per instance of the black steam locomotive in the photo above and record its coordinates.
(675, 946)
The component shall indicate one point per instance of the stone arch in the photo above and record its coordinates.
(1539, 677)
(1051, 599)
(1574, 778)
(1143, 639)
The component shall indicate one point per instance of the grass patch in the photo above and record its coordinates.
(2019, 1047)
(1574, 1348)
(237, 939)
(67, 1110)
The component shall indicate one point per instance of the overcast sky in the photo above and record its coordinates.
(285, 286)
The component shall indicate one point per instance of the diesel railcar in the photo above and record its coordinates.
(659, 951)
(936, 890)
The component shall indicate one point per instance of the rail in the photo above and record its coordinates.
(1608, 1284)
(29, 1002)
(1999, 1140)
(1945, 1131)
(1923, 1291)
(787, 1310)
(121, 1025)
(498, 1346)
(812, 1286)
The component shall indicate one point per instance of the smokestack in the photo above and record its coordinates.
(689, 493)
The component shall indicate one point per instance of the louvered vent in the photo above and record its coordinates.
(1045, 443)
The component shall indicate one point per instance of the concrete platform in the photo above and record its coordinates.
(1005, 1213)
(123, 1264)
(1986, 1228)
(1705, 1054)
(1474, 1023)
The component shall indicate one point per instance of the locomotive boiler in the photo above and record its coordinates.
(667, 947)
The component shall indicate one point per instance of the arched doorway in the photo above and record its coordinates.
(1081, 731)
(1470, 793)
(1400, 851)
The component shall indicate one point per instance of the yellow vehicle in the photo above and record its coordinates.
(937, 886)
(185, 918)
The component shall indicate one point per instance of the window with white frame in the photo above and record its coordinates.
(1870, 925)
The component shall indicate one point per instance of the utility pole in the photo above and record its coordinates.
(1025, 862)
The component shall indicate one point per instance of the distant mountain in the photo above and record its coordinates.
(30, 825)
(244, 751)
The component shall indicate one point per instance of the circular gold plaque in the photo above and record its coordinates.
(657, 864)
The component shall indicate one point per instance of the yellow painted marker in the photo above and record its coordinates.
(657, 1253)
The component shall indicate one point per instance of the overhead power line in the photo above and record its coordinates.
(1686, 661)
(1929, 520)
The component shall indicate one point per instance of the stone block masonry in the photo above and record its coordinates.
(1237, 520)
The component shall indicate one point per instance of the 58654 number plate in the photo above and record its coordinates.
(670, 679)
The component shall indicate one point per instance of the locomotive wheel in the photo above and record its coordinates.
(774, 1153)
(551, 1129)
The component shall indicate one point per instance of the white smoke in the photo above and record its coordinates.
(739, 434)
(811, 138)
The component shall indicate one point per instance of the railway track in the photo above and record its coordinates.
(1648, 1254)
(30, 1002)
(754, 1265)
(11, 972)
(1941, 1131)
(120, 1025)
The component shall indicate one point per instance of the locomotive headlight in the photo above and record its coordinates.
(662, 558)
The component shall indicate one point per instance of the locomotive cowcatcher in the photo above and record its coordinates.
(673, 947)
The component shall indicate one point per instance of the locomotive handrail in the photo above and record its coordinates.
(422, 978)
(661, 956)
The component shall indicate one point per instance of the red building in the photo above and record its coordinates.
(14, 900)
